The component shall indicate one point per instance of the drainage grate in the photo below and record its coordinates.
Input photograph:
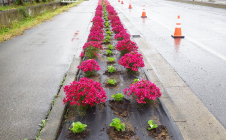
(136, 36)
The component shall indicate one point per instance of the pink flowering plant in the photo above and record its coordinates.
(143, 91)
(99, 13)
(97, 28)
(97, 19)
(95, 36)
(82, 55)
(126, 46)
(117, 28)
(92, 48)
(132, 61)
(122, 35)
(85, 92)
(89, 67)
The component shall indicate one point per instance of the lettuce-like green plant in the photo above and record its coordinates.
(116, 123)
(152, 125)
(111, 59)
(107, 29)
(107, 24)
(78, 127)
(118, 97)
(111, 81)
(107, 37)
(110, 47)
(109, 52)
(111, 69)
(135, 80)
(106, 40)
(108, 32)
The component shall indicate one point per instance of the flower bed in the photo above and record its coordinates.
(111, 77)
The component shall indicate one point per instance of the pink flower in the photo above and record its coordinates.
(122, 35)
(126, 46)
(89, 65)
(84, 92)
(82, 55)
(132, 61)
(142, 91)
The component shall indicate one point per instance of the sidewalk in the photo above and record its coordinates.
(32, 67)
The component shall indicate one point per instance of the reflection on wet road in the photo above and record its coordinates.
(199, 58)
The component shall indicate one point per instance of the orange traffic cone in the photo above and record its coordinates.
(118, 0)
(130, 7)
(122, 2)
(177, 33)
(144, 13)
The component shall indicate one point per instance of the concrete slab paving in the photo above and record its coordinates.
(32, 67)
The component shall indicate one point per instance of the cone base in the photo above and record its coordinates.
(177, 36)
(130, 8)
(143, 16)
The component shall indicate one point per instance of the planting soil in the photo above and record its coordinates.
(121, 108)
(159, 133)
(122, 135)
(76, 136)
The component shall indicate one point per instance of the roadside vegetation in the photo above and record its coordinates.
(19, 4)
(16, 28)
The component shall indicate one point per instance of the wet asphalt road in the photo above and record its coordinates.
(32, 67)
(199, 58)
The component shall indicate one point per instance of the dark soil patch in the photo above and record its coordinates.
(117, 72)
(111, 63)
(159, 133)
(121, 108)
(95, 77)
(76, 136)
(101, 106)
(147, 105)
(122, 135)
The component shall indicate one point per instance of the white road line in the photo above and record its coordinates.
(194, 41)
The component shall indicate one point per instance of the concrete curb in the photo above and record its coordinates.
(50, 131)
(190, 115)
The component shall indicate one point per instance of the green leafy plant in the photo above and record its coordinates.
(111, 59)
(135, 80)
(78, 127)
(111, 69)
(108, 32)
(107, 29)
(109, 52)
(107, 24)
(107, 39)
(111, 81)
(110, 47)
(118, 97)
(116, 123)
(152, 125)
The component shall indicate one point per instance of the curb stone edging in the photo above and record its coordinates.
(50, 131)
